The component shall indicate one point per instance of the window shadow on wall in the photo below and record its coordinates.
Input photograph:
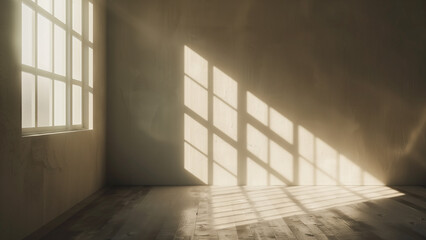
(232, 137)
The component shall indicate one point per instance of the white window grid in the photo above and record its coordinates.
(86, 82)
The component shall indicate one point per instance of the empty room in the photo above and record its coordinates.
(212, 119)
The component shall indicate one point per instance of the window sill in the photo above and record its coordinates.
(40, 134)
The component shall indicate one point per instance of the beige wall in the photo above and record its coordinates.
(351, 73)
(43, 176)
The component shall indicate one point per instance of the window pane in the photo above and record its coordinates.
(28, 100)
(76, 15)
(90, 22)
(60, 50)
(76, 59)
(90, 67)
(44, 101)
(44, 43)
(27, 35)
(90, 110)
(46, 4)
(76, 104)
(60, 10)
(60, 103)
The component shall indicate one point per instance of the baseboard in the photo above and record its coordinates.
(48, 227)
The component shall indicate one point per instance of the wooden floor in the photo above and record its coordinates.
(321, 212)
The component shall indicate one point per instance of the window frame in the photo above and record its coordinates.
(87, 73)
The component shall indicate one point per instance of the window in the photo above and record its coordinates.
(57, 65)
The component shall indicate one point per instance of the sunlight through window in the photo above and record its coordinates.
(195, 97)
(225, 118)
(306, 144)
(44, 101)
(281, 161)
(57, 65)
(257, 143)
(268, 153)
(60, 50)
(326, 163)
(195, 134)
(281, 125)
(257, 108)
(256, 174)
(225, 162)
(223, 121)
(27, 35)
(350, 173)
(60, 103)
(369, 179)
(238, 206)
(28, 100)
(196, 162)
(196, 67)
(60, 10)
(225, 87)
(44, 43)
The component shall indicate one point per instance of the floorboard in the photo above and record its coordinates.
(250, 213)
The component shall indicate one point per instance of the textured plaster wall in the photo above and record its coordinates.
(351, 72)
(43, 176)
